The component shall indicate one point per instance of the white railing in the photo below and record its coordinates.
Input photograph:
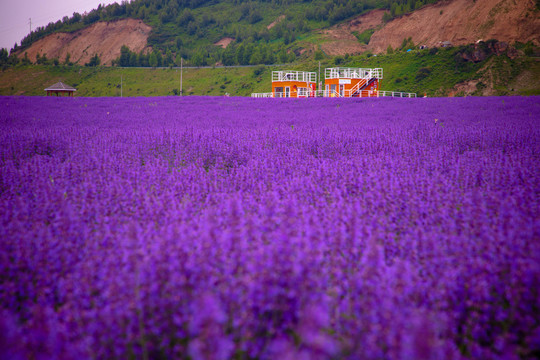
(262, 95)
(353, 73)
(397, 94)
(361, 93)
(302, 93)
(355, 88)
(335, 94)
(327, 93)
(291, 75)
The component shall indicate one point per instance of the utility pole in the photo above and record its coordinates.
(181, 70)
(30, 20)
(320, 82)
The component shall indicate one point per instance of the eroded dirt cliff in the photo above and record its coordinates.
(457, 21)
(102, 38)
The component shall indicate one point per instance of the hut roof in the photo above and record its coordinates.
(60, 86)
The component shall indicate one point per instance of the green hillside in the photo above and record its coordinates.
(421, 71)
(190, 28)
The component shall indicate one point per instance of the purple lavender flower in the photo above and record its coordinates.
(217, 228)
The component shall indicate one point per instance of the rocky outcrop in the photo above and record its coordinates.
(482, 50)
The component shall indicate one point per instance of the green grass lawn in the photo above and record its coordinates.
(418, 71)
(105, 81)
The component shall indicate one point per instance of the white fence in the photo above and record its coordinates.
(262, 95)
(396, 94)
(335, 94)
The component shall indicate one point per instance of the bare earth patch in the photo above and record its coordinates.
(224, 42)
(340, 38)
(462, 22)
(458, 21)
(281, 17)
(102, 38)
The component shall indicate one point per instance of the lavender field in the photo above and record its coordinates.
(236, 228)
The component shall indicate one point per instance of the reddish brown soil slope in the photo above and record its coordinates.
(458, 21)
(462, 22)
(102, 38)
(341, 39)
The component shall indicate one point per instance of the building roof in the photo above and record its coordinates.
(60, 86)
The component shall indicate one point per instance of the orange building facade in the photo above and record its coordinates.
(338, 82)
(352, 82)
(293, 84)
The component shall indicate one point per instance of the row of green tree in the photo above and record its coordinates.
(234, 54)
(8, 60)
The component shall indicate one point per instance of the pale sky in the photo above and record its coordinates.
(15, 15)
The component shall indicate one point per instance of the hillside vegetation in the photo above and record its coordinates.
(154, 33)
(263, 31)
(439, 72)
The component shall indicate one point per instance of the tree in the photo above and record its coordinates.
(169, 61)
(256, 57)
(283, 58)
(199, 58)
(133, 59)
(178, 60)
(240, 54)
(185, 17)
(124, 56)
(3, 56)
(92, 17)
(13, 59)
(94, 61)
(393, 9)
(228, 56)
(142, 13)
(25, 59)
(42, 59)
(192, 28)
(179, 42)
(389, 49)
(142, 59)
(152, 60)
(291, 56)
(248, 51)
(76, 18)
(159, 58)
(255, 17)
(270, 57)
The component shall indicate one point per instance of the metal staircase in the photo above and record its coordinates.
(356, 91)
